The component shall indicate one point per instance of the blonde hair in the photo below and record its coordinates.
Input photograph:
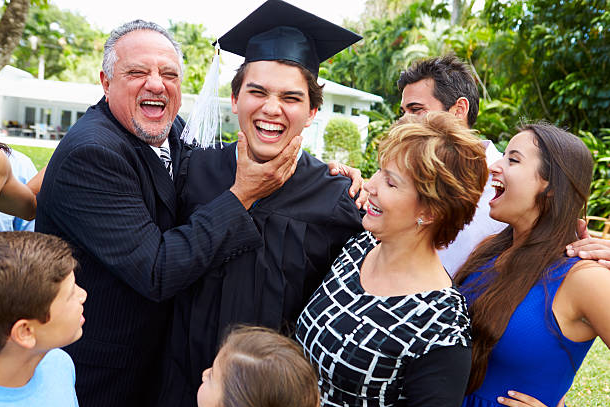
(447, 164)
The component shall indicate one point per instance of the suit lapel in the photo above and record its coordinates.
(160, 179)
(163, 184)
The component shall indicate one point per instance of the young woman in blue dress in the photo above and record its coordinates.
(535, 312)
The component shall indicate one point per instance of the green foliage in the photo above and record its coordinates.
(198, 53)
(342, 142)
(228, 137)
(379, 123)
(496, 120)
(71, 48)
(557, 53)
(374, 64)
(224, 91)
(599, 200)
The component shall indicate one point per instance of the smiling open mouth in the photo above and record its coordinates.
(374, 210)
(269, 130)
(152, 107)
(499, 187)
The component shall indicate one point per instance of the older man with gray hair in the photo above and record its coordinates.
(109, 191)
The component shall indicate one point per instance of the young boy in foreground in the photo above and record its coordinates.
(41, 309)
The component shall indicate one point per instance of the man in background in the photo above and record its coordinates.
(446, 84)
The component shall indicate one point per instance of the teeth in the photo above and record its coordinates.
(497, 184)
(269, 126)
(375, 209)
(153, 103)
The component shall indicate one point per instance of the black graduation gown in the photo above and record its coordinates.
(303, 226)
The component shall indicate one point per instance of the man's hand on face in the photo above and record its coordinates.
(255, 180)
(337, 168)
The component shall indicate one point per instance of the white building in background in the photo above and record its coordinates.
(33, 107)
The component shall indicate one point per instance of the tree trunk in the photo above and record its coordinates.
(12, 24)
(456, 12)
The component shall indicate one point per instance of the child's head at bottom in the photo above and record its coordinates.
(257, 367)
(41, 307)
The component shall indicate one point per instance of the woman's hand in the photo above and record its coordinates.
(355, 175)
(517, 399)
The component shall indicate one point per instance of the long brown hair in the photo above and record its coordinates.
(261, 368)
(567, 165)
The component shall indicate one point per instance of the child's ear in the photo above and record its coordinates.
(23, 333)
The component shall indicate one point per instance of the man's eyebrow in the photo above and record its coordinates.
(286, 93)
(173, 67)
(410, 105)
(135, 66)
(256, 86)
(293, 92)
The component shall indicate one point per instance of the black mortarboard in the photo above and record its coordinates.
(278, 30)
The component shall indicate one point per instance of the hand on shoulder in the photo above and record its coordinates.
(591, 248)
(336, 168)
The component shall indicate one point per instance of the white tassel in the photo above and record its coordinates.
(205, 121)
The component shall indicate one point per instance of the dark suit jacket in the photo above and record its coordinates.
(107, 193)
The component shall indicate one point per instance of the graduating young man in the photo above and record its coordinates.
(303, 224)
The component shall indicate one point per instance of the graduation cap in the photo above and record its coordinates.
(280, 31)
(275, 31)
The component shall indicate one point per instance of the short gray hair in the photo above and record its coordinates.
(110, 56)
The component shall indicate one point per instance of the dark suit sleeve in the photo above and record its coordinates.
(97, 198)
(438, 378)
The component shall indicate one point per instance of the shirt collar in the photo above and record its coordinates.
(157, 150)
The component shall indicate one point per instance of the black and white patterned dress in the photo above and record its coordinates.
(384, 351)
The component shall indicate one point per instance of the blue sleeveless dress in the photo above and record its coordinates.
(532, 356)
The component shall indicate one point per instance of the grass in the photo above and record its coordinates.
(40, 156)
(591, 386)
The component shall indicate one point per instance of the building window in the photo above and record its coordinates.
(355, 111)
(79, 115)
(45, 116)
(66, 119)
(338, 109)
(30, 116)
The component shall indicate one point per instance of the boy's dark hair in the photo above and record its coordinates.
(32, 267)
(452, 80)
(314, 89)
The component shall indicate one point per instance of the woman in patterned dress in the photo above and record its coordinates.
(387, 327)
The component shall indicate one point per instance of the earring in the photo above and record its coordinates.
(419, 221)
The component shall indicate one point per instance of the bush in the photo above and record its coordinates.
(599, 199)
(342, 142)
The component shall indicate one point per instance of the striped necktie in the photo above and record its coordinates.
(167, 160)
